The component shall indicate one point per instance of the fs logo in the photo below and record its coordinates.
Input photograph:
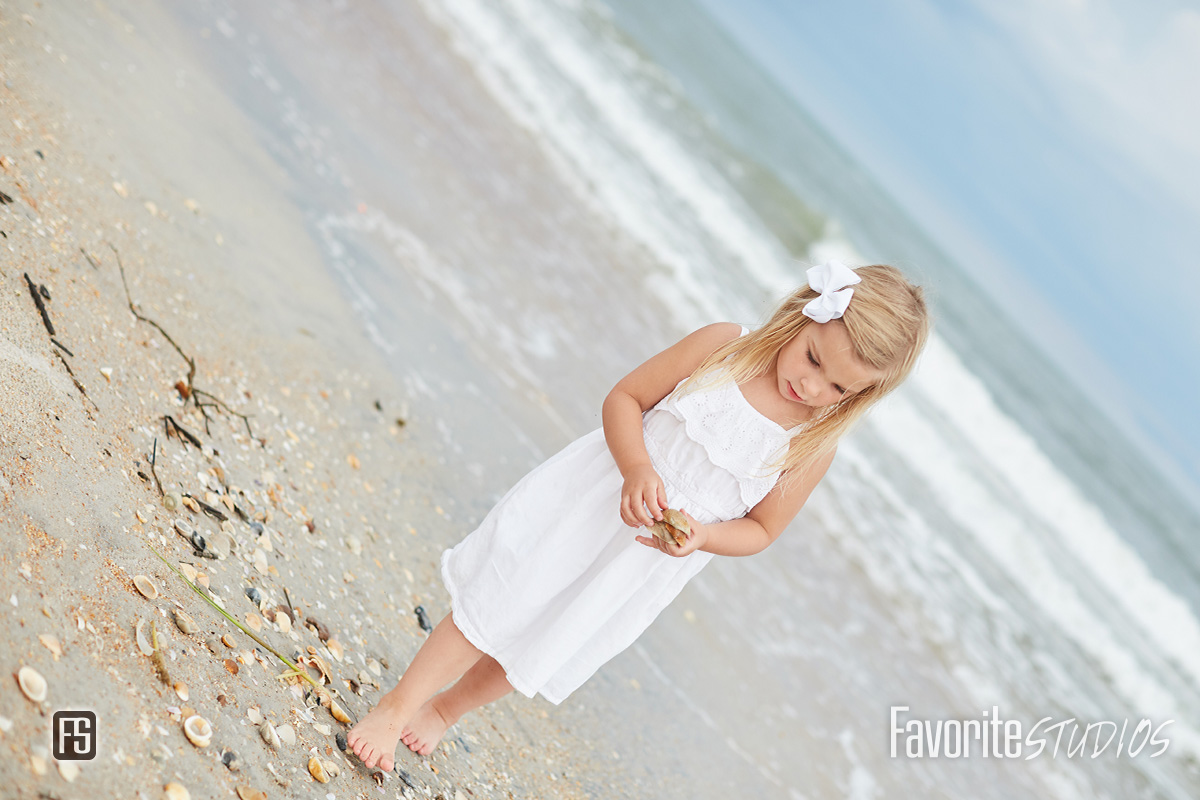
(74, 734)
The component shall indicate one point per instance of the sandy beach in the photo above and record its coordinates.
(301, 431)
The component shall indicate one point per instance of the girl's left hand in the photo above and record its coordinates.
(697, 538)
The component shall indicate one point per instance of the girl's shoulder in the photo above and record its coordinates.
(722, 333)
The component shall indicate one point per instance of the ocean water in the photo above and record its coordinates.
(986, 539)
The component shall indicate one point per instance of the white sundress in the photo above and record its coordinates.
(552, 584)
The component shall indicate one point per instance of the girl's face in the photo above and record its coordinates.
(818, 366)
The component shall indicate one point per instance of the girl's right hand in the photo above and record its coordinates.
(642, 490)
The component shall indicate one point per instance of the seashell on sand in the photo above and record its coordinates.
(250, 793)
(176, 791)
(51, 643)
(172, 501)
(221, 543)
(69, 770)
(198, 730)
(269, 734)
(145, 586)
(33, 685)
(338, 713)
(317, 769)
(143, 643)
(181, 689)
(287, 734)
(184, 622)
(335, 649)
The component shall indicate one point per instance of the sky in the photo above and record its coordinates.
(1052, 147)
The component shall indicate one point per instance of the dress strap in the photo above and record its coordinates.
(745, 330)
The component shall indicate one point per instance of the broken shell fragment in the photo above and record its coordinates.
(176, 791)
(317, 627)
(198, 730)
(184, 527)
(423, 619)
(255, 596)
(33, 685)
(331, 768)
(184, 622)
(228, 641)
(231, 760)
(317, 770)
(284, 622)
(269, 734)
(335, 649)
(250, 793)
(69, 770)
(50, 642)
(146, 587)
(172, 500)
(181, 689)
(338, 713)
(143, 643)
(287, 734)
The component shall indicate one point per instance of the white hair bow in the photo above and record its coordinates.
(832, 279)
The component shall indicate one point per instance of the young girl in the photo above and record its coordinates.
(734, 428)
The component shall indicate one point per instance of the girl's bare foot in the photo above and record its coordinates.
(426, 728)
(374, 738)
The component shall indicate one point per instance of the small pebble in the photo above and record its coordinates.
(423, 619)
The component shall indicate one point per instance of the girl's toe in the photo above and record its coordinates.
(386, 764)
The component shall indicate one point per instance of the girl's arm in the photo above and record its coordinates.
(763, 523)
(755, 531)
(643, 495)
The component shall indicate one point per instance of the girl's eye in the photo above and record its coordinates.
(839, 389)
(812, 360)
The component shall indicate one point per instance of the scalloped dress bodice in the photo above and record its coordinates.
(715, 448)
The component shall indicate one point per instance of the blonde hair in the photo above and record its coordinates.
(888, 325)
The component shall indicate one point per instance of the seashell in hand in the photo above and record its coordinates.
(32, 684)
(146, 587)
(673, 528)
(198, 730)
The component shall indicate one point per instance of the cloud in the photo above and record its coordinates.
(1125, 72)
